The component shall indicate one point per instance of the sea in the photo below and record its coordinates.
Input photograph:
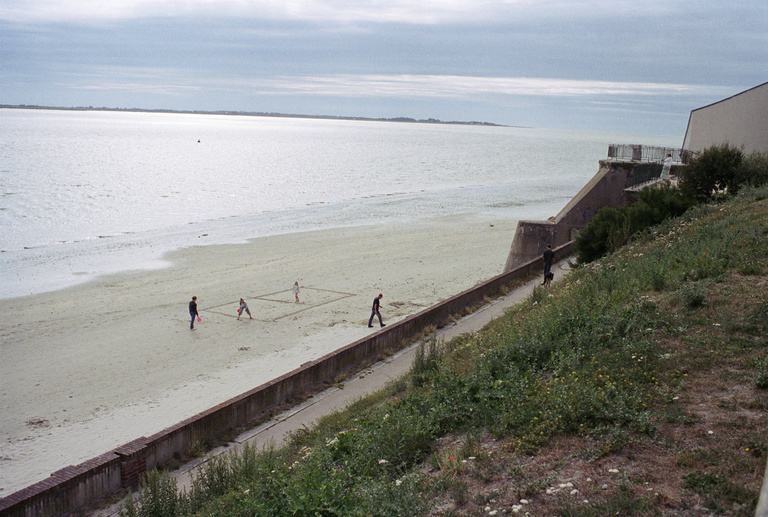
(87, 193)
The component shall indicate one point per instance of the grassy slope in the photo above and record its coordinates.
(636, 386)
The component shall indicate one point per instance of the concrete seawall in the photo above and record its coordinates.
(607, 188)
(73, 487)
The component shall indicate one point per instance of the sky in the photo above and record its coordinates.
(635, 66)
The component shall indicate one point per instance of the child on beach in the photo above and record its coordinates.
(243, 308)
(296, 291)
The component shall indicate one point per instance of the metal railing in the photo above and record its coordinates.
(646, 153)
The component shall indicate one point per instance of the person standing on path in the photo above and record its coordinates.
(193, 312)
(666, 167)
(243, 308)
(549, 256)
(375, 310)
(296, 291)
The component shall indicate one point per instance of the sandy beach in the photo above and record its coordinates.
(89, 368)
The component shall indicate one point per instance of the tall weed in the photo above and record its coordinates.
(157, 497)
(428, 356)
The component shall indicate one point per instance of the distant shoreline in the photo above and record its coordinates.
(254, 114)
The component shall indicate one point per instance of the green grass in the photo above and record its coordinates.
(585, 360)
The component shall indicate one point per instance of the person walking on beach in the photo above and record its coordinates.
(296, 291)
(243, 308)
(193, 312)
(375, 310)
(549, 256)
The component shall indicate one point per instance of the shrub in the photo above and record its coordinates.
(753, 170)
(612, 228)
(607, 231)
(713, 172)
(664, 202)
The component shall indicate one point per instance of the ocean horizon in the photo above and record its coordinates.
(88, 193)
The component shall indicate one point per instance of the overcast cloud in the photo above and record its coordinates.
(638, 66)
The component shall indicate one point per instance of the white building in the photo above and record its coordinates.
(741, 121)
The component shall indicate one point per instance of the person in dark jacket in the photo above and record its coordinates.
(375, 310)
(193, 312)
(549, 256)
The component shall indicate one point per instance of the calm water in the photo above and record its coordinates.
(87, 193)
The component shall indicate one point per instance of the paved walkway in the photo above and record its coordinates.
(368, 381)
